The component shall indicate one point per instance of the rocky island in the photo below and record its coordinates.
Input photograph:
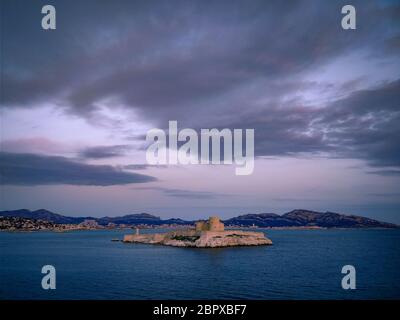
(206, 234)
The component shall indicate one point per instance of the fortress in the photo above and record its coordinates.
(213, 224)
(206, 234)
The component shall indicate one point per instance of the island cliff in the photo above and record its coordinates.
(206, 234)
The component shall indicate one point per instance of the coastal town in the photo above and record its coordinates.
(28, 225)
(24, 224)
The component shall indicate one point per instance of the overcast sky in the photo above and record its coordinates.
(324, 102)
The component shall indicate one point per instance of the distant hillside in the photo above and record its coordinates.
(43, 214)
(295, 218)
(307, 218)
(261, 220)
(141, 218)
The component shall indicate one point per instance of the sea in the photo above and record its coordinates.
(301, 264)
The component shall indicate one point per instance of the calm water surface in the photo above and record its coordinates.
(302, 264)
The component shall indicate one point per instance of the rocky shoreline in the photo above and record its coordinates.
(205, 239)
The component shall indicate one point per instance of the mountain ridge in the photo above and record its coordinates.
(294, 218)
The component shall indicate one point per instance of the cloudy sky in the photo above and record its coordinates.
(324, 102)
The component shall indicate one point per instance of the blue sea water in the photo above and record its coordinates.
(301, 264)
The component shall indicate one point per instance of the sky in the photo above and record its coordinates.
(77, 102)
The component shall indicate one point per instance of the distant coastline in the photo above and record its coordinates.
(44, 220)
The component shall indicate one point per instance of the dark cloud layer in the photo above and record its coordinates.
(143, 166)
(366, 125)
(363, 125)
(31, 169)
(163, 56)
(235, 64)
(101, 152)
(186, 194)
(385, 172)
